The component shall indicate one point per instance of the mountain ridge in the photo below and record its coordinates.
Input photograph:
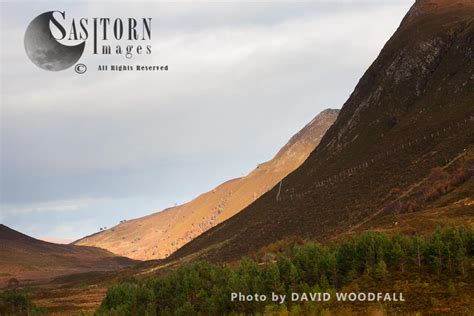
(421, 83)
(157, 235)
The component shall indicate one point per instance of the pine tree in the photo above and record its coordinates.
(381, 269)
(459, 251)
(399, 255)
(419, 245)
(436, 251)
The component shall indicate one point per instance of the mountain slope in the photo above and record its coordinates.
(412, 111)
(159, 234)
(24, 258)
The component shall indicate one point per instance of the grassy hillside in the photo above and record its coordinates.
(28, 259)
(444, 197)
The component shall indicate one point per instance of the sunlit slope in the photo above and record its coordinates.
(160, 234)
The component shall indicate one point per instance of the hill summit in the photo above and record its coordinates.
(25, 258)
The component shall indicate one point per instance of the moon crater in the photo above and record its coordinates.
(44, 50)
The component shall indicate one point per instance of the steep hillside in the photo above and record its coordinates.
(444, 197)
(26, 258)
(158, 235)
(412, 111)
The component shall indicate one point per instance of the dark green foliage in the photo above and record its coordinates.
(13, 302)
(205, 288)
(129, 298)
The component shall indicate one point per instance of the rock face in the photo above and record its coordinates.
(26, 258)
(160, 234)
(412, 110)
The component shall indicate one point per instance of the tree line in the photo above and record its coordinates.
(202, 287)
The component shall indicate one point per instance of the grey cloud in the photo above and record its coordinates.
(243, 78)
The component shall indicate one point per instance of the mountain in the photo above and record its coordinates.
(160, 234)
(26, 258)
(401, 147)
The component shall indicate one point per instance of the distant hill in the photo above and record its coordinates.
(160, 234)
(401, 147)
(26, 258)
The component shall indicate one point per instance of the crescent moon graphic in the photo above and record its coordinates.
(44, 50)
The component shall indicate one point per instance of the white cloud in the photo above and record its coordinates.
(48, 207)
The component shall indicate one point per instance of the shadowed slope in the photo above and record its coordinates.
(413, 110)
(24, 257)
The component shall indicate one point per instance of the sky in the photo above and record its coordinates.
(84, 151)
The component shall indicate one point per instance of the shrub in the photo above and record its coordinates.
(13, 302)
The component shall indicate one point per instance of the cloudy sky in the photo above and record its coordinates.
(79, 152)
